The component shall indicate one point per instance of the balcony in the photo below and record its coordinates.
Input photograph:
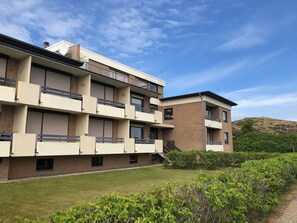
(214, 146)
(23, 145)
(57, 145)
(7, 90)
(148, 115)
(121, 77)
(5, 143)
(212, 122)
(105, 145)
(110, 108)
(61, 100)
(148, 146)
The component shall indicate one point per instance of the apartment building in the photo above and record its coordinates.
(65, 109)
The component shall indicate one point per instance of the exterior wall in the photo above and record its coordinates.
(22, 167)
(227, 127)
(74, 84)
(4, 169)
(188, 127)
(12, 69)
(72, 125)
(6, 118)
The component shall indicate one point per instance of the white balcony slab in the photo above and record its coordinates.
(5, 149)
(23, 144)
(216, 148)
(57, 148)
(110, 111)
(145, 117)
(145, 148)
(87, 145)
(213, 124)
(60, 103)
(110, 148)
(7, 94)
(27, 93)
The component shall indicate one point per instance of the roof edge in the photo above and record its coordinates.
(203, 93)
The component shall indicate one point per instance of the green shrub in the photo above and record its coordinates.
(239, 195)
(210, 159)
(265, 142)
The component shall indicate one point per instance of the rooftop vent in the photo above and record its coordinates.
(46, 44)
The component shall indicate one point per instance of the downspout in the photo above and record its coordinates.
(203, 121)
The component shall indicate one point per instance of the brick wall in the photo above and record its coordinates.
(74, 84)
(4, 168)
(21, 167)
(12, 69)
(72, 125)
(6, 118)
(188, 132)
(227, 127)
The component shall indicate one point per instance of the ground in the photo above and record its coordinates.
(39, 198)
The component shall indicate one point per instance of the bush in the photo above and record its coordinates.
(210, 159)
(265, 142)
(239, 195)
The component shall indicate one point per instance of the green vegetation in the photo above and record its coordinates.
(210, 159)
(39, 198)
(265, 141)
(239, 195)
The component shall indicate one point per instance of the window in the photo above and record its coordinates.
(226, 137)
(1, 160)
(45, 164)
(154, 157)
(168, 113)
(3, 63)
(133, 159)
(136, 131)
(97, 161)
(209, 136)
(137, 101)
(225, 116)
(154, 107)
(153, 87)
(208, 112)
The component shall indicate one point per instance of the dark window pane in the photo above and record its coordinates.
(133, 159)
(97, 161)
(44, 164)
(168, 113)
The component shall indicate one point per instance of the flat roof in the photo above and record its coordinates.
(202, 93)
(35, 50)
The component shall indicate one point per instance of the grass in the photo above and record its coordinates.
(39, 198)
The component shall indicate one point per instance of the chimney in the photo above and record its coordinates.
(46, 44)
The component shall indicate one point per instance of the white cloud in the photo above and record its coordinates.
(248, 36)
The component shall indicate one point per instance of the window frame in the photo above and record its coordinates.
(226, 137)
(167, 115)
(97, 161)
(225, 116)
(48, 165)
(133, 159)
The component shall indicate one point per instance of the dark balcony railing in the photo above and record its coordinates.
(6, 136)
(48, 90)
(146, 110)
(214, 143)
(57, 138)
(122, 77)
(7, 82)
(213, 119)
(109, 140)
(110, 103)
(145, 141)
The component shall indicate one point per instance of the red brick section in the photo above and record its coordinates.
(6, 118)
(12, 69)
(72, 125)
(227, 127)
(22, 167)
(4, 168)
(74, 84)
(188, 133)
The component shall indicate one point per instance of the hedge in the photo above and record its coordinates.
(210, 159)
(239, 195)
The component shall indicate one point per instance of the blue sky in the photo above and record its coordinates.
(243, 50)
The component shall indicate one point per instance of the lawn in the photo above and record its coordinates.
(39, 198)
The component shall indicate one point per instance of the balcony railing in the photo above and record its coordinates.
(145, 141)
(213, 119)
(122, 77)
(214, 143)
(57, 138)
(110, 103)
(48, 90)
(7, 82)
(146, 110)
(6, 136)
(109, 140)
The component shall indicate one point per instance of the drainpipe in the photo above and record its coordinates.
(203, 121)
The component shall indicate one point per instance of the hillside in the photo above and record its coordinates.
(264, 124)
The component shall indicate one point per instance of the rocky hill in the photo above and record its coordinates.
(268, 125)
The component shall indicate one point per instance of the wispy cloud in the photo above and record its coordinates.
(248, 36)
(204, 76)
